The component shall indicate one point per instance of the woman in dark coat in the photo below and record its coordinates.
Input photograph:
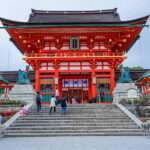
(38, 101)
(64, 105)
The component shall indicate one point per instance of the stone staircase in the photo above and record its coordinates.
(80, 120)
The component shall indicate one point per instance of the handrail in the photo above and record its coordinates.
(145, 126)
(13, 119)
(130, 115)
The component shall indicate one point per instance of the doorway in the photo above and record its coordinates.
(80, 95)
(77, 89)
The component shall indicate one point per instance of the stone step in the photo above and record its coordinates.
(86, 107)
(83, 119)
(73, 123)
(9, 134)
(22, 92)
(74, 115)
(70, 113)
(83, 108)
(80, 106)
(44, 110)
(58, 111)
(73, 118)
(72, 131)
(95, 106)
(20, 96)
(68, 127)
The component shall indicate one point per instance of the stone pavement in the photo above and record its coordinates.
(76, 143)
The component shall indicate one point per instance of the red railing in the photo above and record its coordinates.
(75, 54)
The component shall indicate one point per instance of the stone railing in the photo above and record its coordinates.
(14, 118)
(130, 115)
(140, 124)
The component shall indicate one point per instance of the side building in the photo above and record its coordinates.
(144, 83)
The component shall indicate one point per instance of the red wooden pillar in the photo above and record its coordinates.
(56, 82)
(112, 79)
(93, 84)
(37, 79)
(60, 87)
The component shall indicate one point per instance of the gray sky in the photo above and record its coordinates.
(10, 57)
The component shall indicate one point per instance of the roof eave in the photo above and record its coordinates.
(7, 22)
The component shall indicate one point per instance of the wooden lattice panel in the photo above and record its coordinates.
(47, 81)
(102, 80)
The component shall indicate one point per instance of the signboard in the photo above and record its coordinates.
(132, 93)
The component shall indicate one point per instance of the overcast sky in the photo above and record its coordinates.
(10, 57)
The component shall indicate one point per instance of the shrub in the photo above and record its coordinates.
(11, 102)
(8, 113)
(125, 101)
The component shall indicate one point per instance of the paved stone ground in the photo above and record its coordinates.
(76, 143)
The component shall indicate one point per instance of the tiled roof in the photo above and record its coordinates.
(145, 75)
(2, 79)
(38, 16)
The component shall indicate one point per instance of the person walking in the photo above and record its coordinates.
(64, 105)
(38, 101)
(1, 119)
(57, 94)
(52, 104)
(74, 100)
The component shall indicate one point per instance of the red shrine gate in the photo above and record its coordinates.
(144, 84)
(5, 87)
(75, 53)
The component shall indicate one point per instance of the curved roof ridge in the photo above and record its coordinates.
(34, 11)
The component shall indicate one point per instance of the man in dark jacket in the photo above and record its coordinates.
(38, 101)
(64, 105)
